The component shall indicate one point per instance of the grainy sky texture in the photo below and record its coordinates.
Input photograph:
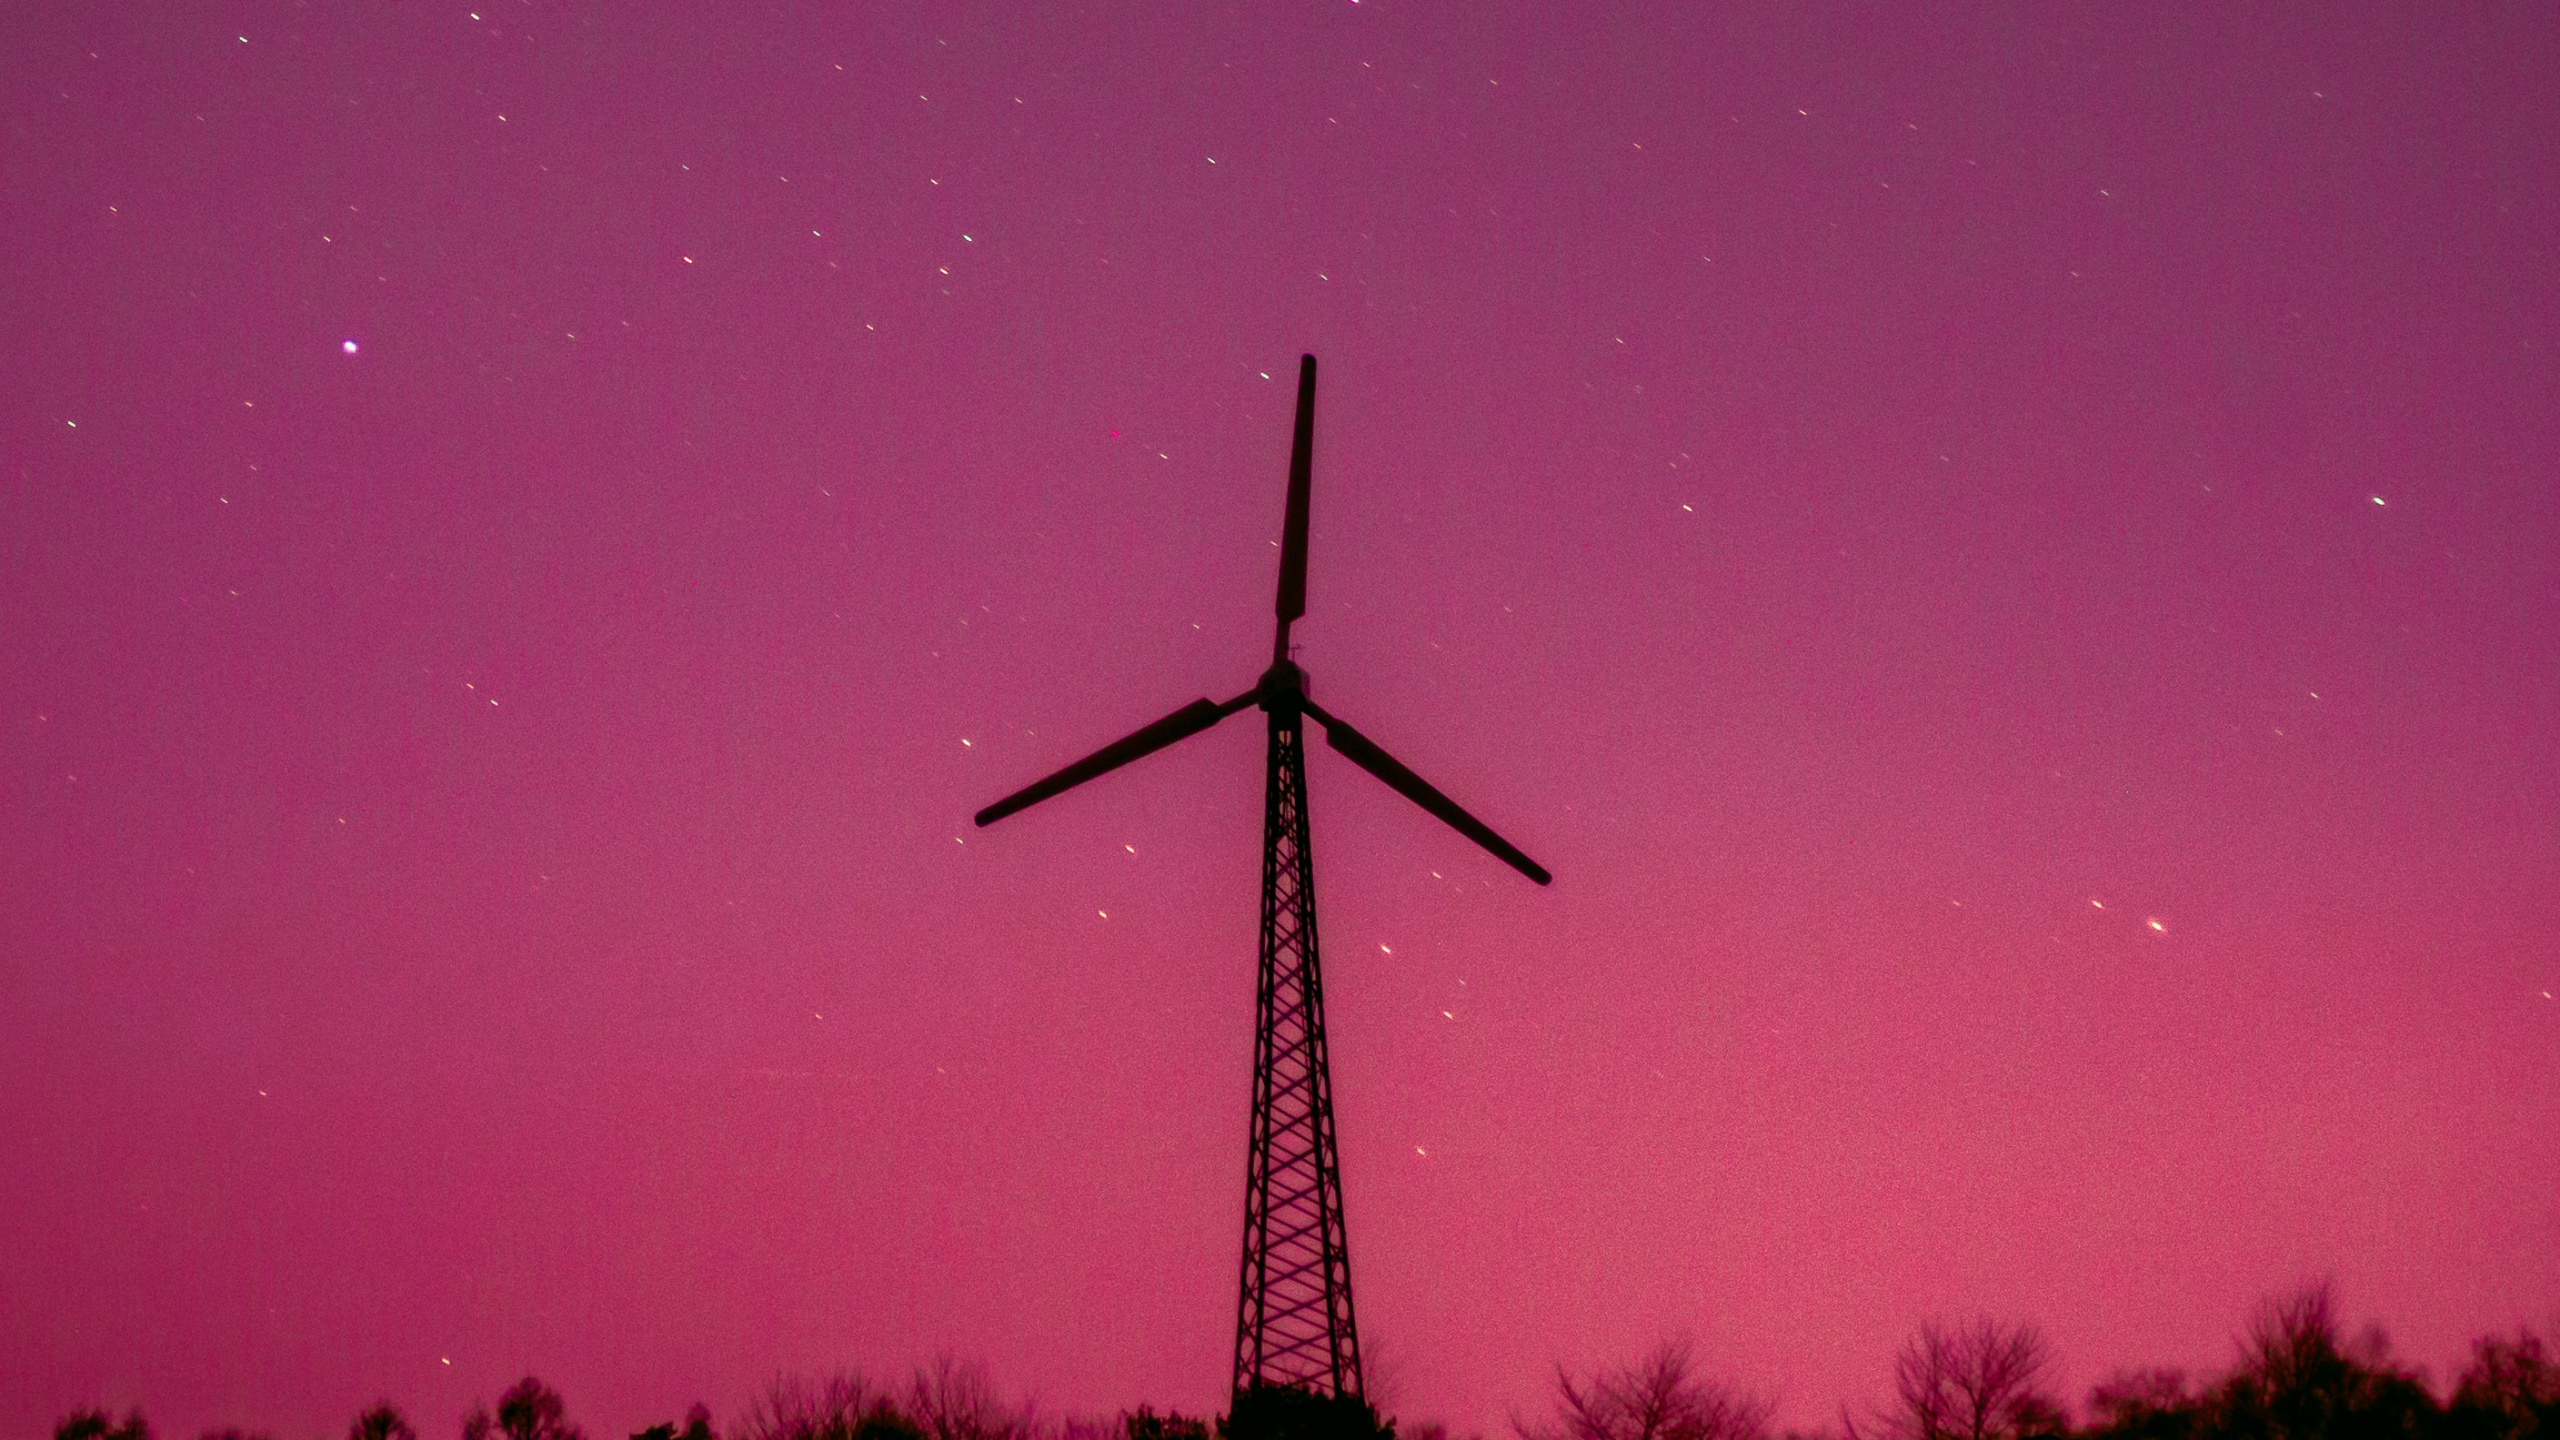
(2006, 557)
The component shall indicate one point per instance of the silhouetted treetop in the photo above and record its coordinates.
(953, 1399)
(383, 1422)
(1287, 1412)
(530, 1410)
(1979, 1380)
(840, 1407)
(2144, 1405)
(2510, 1392)
(1655, 1398)
(1144, 1423)
(93, 1424)
(2296, 1381)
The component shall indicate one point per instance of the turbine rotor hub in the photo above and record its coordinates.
(1282, 687)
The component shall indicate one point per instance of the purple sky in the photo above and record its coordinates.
(2006, 559)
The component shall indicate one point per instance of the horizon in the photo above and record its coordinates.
(972, 1398)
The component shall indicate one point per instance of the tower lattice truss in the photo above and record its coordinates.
(1293, 1323)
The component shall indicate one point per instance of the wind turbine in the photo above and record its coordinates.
(1293, 1302)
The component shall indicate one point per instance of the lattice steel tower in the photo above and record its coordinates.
(1293, 1301)
(1293, 1305)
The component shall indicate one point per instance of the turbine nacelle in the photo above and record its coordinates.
(1282, 690)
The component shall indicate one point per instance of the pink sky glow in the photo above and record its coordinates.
(2007, 557)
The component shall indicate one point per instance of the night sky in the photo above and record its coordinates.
(2006, 557)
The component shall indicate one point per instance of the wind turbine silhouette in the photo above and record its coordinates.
(1293, 1302)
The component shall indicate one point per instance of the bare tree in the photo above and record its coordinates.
(1655, 1398)
(530, 1410)
(1980, 1380)
(2297, 1380)
(953, 1399)
(2292, 1342)
(2152, 1404)
(383, 1422)
(842, 1407)
(2510, 1392)
(95, 1424)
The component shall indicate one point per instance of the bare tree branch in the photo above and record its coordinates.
(1981, 1380)
(1655, 1398)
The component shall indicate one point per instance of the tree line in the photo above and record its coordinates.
(2297, 1376)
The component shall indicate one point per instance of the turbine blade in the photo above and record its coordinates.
(1365, 753)
(1293, 528)
(1190, 720)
